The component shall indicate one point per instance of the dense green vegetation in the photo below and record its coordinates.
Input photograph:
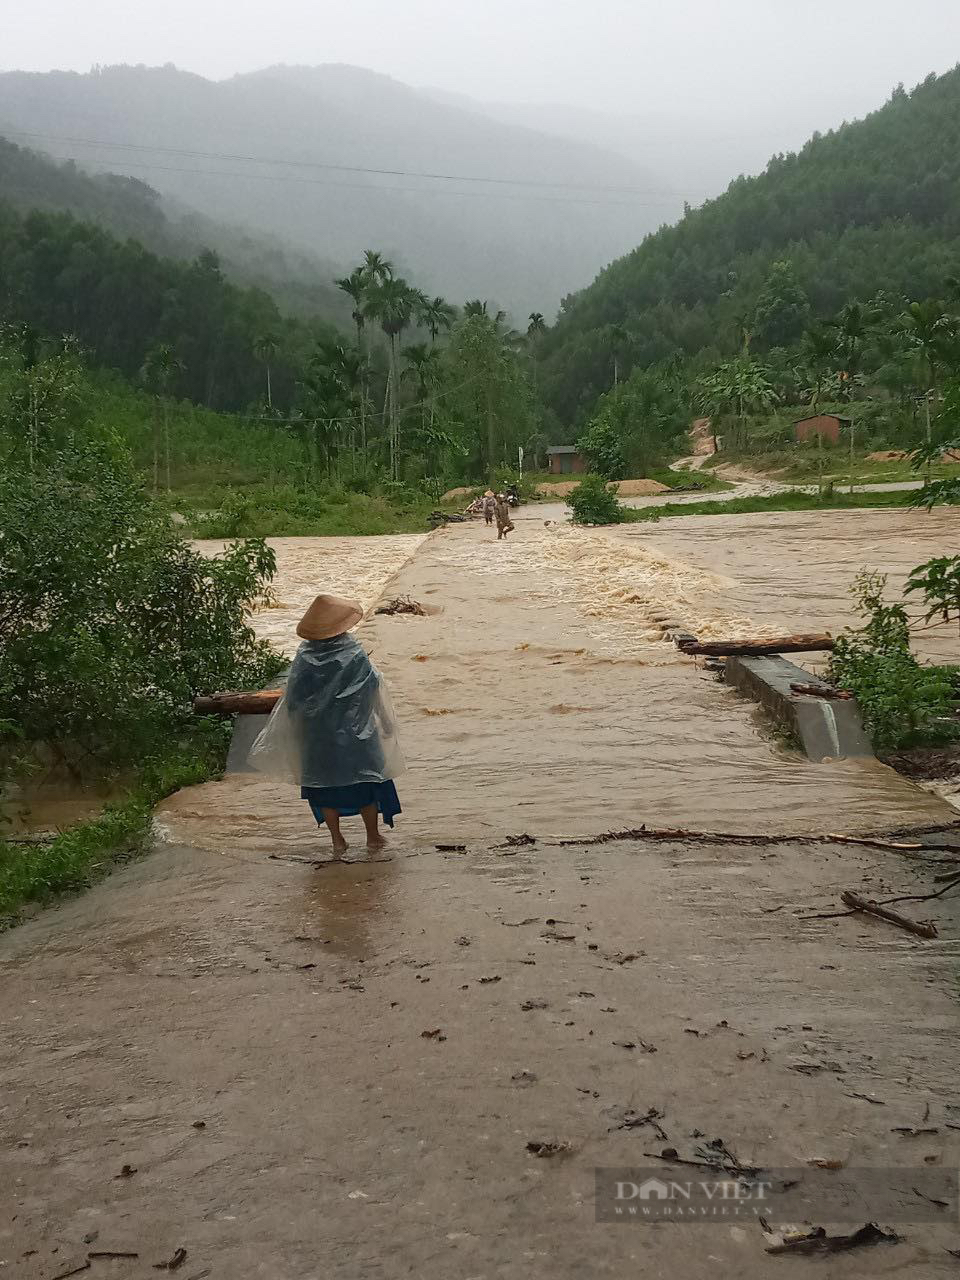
(874, 205)
(129, 209)
(905, 703)
(110, 624)
(593, 502)
(60, 276)
(422, 395)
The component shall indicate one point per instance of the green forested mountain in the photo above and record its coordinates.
(129, 208)
(873, 206)
(61, 276)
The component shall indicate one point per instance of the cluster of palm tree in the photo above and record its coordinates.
(906, 350)
(356, 391)
(379, 295)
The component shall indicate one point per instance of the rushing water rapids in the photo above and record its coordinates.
(353, 567)
(544, 695)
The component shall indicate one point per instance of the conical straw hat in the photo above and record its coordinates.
(328, 616)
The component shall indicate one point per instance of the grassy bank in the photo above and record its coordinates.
(777, 502)
(704, 480)
(76, 858)
(284, 511)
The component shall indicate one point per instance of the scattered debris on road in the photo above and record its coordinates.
(402, 604)
(544, 1150)
(858, 903)
(817, 1240)
(172, 1264)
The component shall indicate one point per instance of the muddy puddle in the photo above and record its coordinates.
(546, 697)
(54, 803)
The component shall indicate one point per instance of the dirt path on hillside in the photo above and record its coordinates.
(335, 1071)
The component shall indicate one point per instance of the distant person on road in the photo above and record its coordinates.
(333, 733)
(502, 511)
(489, 506)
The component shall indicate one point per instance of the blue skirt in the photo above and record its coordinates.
(348, 801)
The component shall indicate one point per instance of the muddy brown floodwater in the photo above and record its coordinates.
(354, 567)
(544, 696)
(300, 1070)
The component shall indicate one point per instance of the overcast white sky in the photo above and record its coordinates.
(768, 63)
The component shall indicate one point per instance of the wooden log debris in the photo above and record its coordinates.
(820, 691)
(858, 903)
(756, 648)
(242, 704)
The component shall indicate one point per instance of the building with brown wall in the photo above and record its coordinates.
(827, 425)
(566, 459)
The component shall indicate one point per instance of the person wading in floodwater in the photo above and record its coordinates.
(489, 506)
(333, 733)
(504, 523)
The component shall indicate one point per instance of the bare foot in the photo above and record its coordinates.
(339, 847)
(376, 842)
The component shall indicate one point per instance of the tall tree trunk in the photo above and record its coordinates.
(166, 442)
(490, 437)
(269, 390)
(156, 448)
(363, 390)
(34, 440)
(395, 406)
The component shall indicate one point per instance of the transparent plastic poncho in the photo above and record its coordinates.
(335, 725)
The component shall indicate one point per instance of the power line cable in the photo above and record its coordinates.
(345, 168)
(369, 187)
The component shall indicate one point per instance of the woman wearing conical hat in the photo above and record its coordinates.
(333, 733)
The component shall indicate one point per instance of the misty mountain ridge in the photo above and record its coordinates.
(128, 208)
(281, 152)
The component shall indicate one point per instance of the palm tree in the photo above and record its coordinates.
(476, 307)
(535, 331)
(393, 302)
(436, 314)
(853, 326)
(265, 347)
(819, 350)
(376, 267)
(356, 286)
(159, 368)
(931, 331)
(422, 363)
(332, 384)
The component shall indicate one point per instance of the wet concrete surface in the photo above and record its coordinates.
(245, 1032)
(247, 1035)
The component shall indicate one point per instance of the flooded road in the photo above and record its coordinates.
(335, 1073)
(792, 570)
(353, 567)
(544, 696)
(301, 1070)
